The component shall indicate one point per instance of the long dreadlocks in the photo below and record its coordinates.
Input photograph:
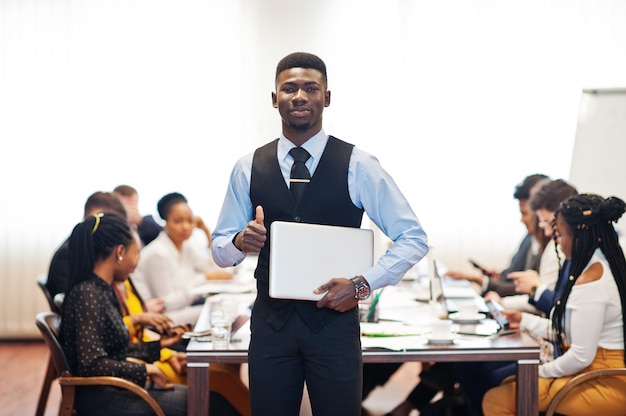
(590, 218)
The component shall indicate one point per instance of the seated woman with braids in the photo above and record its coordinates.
(104, 251)
(587, 322)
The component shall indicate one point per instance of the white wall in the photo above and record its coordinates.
(459, 100)
(600, 146)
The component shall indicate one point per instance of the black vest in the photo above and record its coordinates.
(326, 201)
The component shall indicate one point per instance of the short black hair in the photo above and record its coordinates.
(166, 203)
(522, 190)
(548, 194)
(125, 190)
(104, 202)
(302, 60)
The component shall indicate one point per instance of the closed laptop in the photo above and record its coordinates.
(305, 256)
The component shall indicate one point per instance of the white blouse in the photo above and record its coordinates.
(164, 272)
(593, 318)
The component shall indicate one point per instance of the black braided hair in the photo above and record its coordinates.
(590, 218)
(94, 239)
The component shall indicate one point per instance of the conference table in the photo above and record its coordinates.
(517, 347)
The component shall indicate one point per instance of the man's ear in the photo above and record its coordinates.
(326, 98)
(274, 100)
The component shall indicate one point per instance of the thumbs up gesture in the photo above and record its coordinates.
(252, 238)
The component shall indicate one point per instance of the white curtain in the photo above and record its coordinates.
(460, 100)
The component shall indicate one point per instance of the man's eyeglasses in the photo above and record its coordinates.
(545, 224)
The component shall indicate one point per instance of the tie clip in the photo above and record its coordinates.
(300, 180)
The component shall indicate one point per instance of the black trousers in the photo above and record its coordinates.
(328, 360)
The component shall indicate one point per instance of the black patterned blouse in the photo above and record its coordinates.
(95, 338)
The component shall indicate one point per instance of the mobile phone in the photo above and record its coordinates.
(196, 334)
(496, 314)
(481, 268)
(153, 329)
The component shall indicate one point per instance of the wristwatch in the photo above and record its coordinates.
(533, 290)
(362, 289)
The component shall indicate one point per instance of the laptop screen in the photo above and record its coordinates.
(451, 303)
(436, 289)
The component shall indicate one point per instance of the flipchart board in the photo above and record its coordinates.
(599, 158)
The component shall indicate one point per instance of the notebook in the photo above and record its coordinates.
(305, 256)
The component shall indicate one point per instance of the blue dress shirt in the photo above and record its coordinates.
(370, 188)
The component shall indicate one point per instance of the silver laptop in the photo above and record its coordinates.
(485, 327)
(305, 256)
(457, 288)
(450, 303)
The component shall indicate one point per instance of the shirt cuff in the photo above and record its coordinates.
(484, 283)
(234, 253)
(539, 292)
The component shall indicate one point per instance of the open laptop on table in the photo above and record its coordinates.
(454, 294)
(483, 326)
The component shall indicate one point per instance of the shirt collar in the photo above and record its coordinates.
(315, 146)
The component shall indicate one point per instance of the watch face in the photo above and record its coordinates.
(362, 289)
(364, 292)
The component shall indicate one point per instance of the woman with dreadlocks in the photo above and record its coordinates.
(587, 323)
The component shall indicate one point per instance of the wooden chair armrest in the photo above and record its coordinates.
(115, 382)
(581, 378)
(135, 360)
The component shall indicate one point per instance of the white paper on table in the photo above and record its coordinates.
(224, 286)
(390, 329)
(393, 343)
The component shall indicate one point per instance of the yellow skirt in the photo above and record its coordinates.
(601, 395)
(169, 372)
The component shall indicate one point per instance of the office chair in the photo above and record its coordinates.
(42, 279)
(50, 375)
(48, 324)
(581, 378)
(58, 301)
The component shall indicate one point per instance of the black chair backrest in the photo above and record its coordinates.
(42, 279)
(49, 324)
(58, 301)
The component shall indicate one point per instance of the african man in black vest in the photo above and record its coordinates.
(294, 341)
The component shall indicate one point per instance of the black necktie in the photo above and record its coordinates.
(300, 175)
